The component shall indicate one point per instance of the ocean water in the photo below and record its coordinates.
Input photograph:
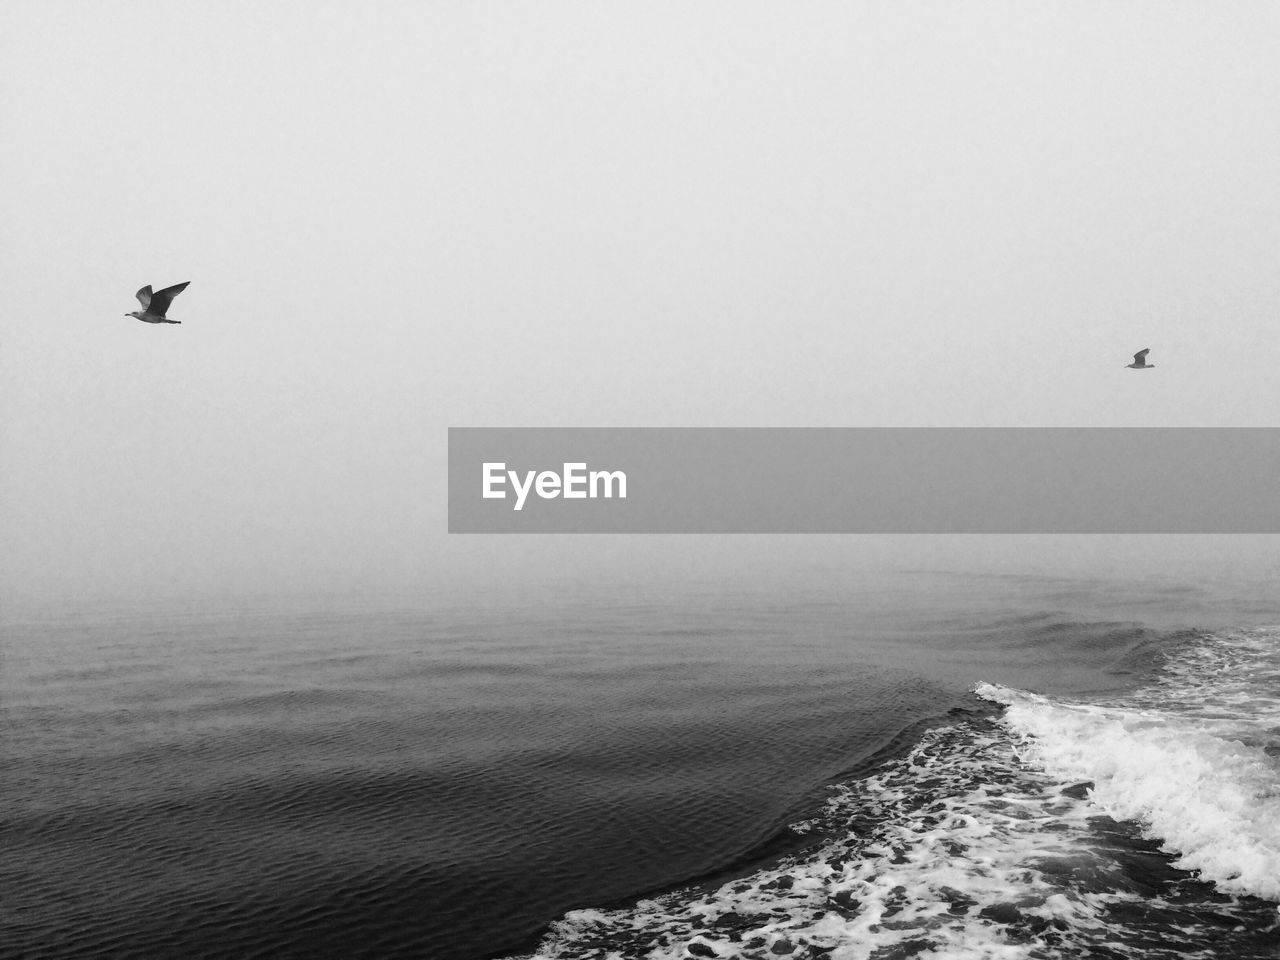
(903, 765)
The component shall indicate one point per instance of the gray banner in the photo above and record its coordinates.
(863, 480)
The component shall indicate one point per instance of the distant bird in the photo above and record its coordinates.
(1139, 358)
(154, 305)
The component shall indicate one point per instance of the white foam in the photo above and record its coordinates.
(1207, 795)
(980, 844)
(957, 850)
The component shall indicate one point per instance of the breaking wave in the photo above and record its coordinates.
(1139, 826)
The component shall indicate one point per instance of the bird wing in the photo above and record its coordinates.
(1141, 355)
(161, 299)
(144, 296)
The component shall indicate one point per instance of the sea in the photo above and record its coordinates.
(915, 763)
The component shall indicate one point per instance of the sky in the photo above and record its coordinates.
(399, 217)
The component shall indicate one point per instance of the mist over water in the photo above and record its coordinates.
(256, 702)
(369, 779)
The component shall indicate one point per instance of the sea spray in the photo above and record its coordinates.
(1189, 759)
(1213, 802)
(1059, 828)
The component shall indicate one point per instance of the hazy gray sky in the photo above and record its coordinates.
(400, 217)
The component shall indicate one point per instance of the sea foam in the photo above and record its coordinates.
(1212, 799)
(1017, 836)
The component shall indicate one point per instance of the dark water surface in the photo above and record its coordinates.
(380, 779)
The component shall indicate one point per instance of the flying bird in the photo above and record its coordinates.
(154, 305)
(1139, 359)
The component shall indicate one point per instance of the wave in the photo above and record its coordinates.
(1146, 826)
(1192, 759)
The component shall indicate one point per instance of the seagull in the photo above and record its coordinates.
(155, 304)
(1139, 358)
